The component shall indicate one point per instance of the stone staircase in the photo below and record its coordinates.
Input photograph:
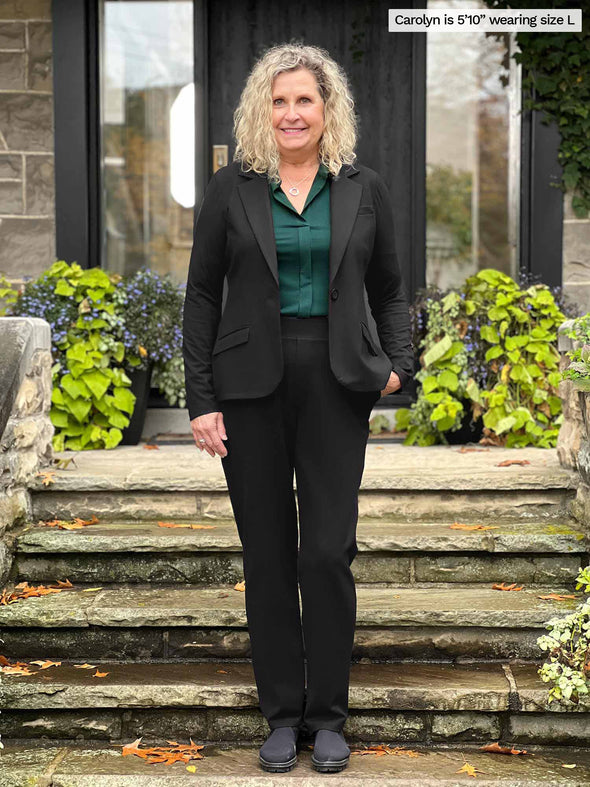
(443, 663)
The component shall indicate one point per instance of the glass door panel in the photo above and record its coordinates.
(472, 152)
(147, 135)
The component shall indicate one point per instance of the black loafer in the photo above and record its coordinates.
(330, 751)
(279, 752)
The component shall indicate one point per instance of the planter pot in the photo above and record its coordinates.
(140, 386)
(469, 431)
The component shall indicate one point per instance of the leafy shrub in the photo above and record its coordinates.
(568, 645)
(578, 370)
(489, 352)
(103, 327)
(91, 399)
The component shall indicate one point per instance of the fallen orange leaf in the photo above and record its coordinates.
(98, 674)
(193, 527)
(85, 666)
(503, 586)
(461, 526)
(151, 447)
(47, 663)
(175, 752)
(555, 597)
(380, 750)
(508, 462)
(497, 749)
(240, 585)
(470, 770)
(48, 476)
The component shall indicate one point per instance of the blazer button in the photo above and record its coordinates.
(334, 294)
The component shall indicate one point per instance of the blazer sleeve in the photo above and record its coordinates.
(203, 300)
(386, 291)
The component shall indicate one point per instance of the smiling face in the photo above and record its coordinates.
(297, 114)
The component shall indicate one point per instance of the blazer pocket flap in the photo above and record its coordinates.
(365, 209)
(232, 338)
(369, 339)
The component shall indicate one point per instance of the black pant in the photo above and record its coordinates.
(314, 425)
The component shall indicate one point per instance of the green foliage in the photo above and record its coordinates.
(169, 380)
(8, 294)
(489, 352)
(556, 75)
(578, 370)
(91, 401)
(568, 647)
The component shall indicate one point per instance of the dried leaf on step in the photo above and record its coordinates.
(503, 586)
(45, 664)
(85, 666)
(470, 770)
(48, 476)
(555, 597)
(497, 749)
(240, 585)
(98, 674)
(167, 755)
(465, 450)
(151, 447)
(508, 462)
(461, 526)
(380, 750)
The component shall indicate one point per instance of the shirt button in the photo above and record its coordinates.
(334, 294)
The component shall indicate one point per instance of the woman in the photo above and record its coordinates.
(282, 375)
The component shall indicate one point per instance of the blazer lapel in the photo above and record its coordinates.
(345, 197)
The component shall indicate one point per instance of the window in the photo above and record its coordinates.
(472, 152)
(147, 135)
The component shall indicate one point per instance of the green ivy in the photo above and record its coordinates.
(568, 645)
(556, 75)
(506, 373)
(91, 401)
(578, 370)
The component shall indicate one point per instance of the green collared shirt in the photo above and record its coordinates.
(303, 248)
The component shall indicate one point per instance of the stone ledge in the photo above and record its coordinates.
(462, 605)
(82, 766)
(386, 536)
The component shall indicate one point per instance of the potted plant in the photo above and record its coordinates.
(109, 333)
(151, 306)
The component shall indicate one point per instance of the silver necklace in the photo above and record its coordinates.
(294, 190)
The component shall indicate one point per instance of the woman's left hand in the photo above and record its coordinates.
(392, 384)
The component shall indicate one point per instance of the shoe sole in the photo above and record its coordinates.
(277, 767)
(329, 766)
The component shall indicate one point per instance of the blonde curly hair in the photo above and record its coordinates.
(256, 145)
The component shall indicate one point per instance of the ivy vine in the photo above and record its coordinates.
(556, 76)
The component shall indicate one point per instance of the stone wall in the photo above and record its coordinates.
(25, 426)
(27, 189)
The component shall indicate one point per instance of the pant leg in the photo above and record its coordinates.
(331, 439)
(259, 474)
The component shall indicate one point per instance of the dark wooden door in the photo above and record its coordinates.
(387, 77)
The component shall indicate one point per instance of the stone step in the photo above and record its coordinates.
(405, 482)
(532, 552)
(82, 766)
(459, 621)
(430, 703)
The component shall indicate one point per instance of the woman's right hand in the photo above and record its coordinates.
(210, 427)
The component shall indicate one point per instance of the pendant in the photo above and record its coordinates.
(294, 191)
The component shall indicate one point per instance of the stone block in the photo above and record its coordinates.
(40, 71)
(558, 729)
(465, 726)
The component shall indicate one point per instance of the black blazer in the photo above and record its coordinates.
(233, 349)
